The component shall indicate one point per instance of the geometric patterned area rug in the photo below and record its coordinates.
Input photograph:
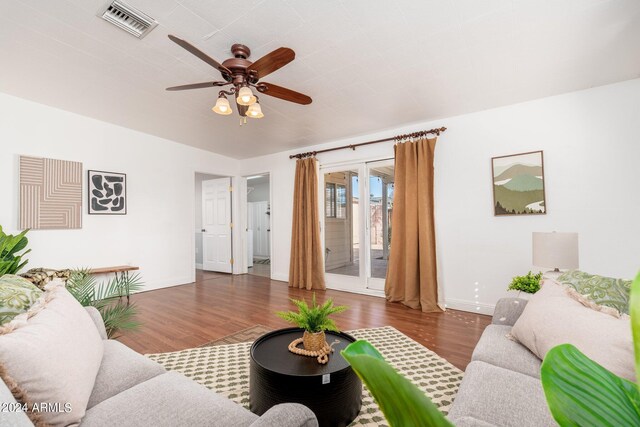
(225, 369)
(246, 335)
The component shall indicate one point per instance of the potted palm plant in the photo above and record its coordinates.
(314, 320)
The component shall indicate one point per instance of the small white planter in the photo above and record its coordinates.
(520, 294)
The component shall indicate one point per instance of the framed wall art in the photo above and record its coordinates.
(518, 184)
(107, 193)
(50, 193)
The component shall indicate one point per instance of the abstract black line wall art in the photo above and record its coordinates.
(107, 193)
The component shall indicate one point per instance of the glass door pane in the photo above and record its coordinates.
(379, 217)
(341, 226)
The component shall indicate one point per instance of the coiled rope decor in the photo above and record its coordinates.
(322, 354)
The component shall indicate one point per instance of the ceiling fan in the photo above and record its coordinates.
(242, 75)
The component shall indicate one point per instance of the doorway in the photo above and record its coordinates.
(357, 207)
(258, 227)
(213, 238)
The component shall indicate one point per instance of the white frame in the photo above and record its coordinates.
(243, 262)
(373, 283)
(363, 283)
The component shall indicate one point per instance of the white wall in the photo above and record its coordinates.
(157, 232)
(591, 152)
(260, 192)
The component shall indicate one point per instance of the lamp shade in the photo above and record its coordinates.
(222, 106)
(555, 250)
(245, 96)
(255, 111)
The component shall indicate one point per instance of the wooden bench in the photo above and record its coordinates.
(116, 269)
(122, 270)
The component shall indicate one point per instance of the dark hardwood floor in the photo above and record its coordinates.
(217, 305)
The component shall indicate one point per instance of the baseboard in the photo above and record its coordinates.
(470, 306)
(154, 286)
(279, 276)
(198, 266)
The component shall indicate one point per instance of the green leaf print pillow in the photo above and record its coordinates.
(605, 291)
(16, 296)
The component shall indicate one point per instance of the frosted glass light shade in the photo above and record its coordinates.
(222, 106)
(555, 250)
(255, 111)
(245, 96)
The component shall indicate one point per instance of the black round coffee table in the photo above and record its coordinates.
(332, 391)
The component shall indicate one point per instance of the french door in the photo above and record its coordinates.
(356, 205)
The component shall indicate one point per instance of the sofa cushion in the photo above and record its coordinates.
(501, 397)
(121, 369)
(607, 291)
(168, 400)
(508, 310)
(472, 422)
(287, 414)
(9, 416)
(552, 318)
(495, 348)
(17, 295)
(52, 354)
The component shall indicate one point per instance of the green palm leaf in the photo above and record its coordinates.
(634, 311)
(106, 297)
(10, 259)
(580, 392)
(401, 402)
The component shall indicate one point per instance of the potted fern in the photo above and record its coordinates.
(314, 320)
(529, 284)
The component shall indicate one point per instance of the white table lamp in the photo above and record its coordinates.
(555, 250)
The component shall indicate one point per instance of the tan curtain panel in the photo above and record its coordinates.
(411, 272)
(306, 270)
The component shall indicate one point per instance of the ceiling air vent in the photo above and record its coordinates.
(128, 18)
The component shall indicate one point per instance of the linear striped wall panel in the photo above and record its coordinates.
(50, 193)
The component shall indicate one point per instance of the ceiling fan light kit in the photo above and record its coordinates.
(222, 106)
(245, 96)
(255, 111)
(242, 74)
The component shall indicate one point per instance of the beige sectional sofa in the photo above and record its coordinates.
(501, 385)
(132, 390)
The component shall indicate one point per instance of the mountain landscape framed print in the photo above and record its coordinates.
(518, 184)
(107, 193)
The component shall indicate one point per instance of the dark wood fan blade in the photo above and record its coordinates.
(272, 61)
(200, 54)
(192, 86)
(283, 93)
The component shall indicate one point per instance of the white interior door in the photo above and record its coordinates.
(216, 225)
(259, 224)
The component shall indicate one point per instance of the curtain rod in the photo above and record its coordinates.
(418, 134)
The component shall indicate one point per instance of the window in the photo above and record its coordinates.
(335, 200)
(341, 201)
(330, 200)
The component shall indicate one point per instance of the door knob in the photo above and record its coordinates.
(204, 230)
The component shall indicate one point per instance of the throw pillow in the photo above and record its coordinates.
(551, 318)
(607, 291)
(17, 295)
(50, 357)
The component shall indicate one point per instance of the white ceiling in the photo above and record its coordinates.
(368, 65)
